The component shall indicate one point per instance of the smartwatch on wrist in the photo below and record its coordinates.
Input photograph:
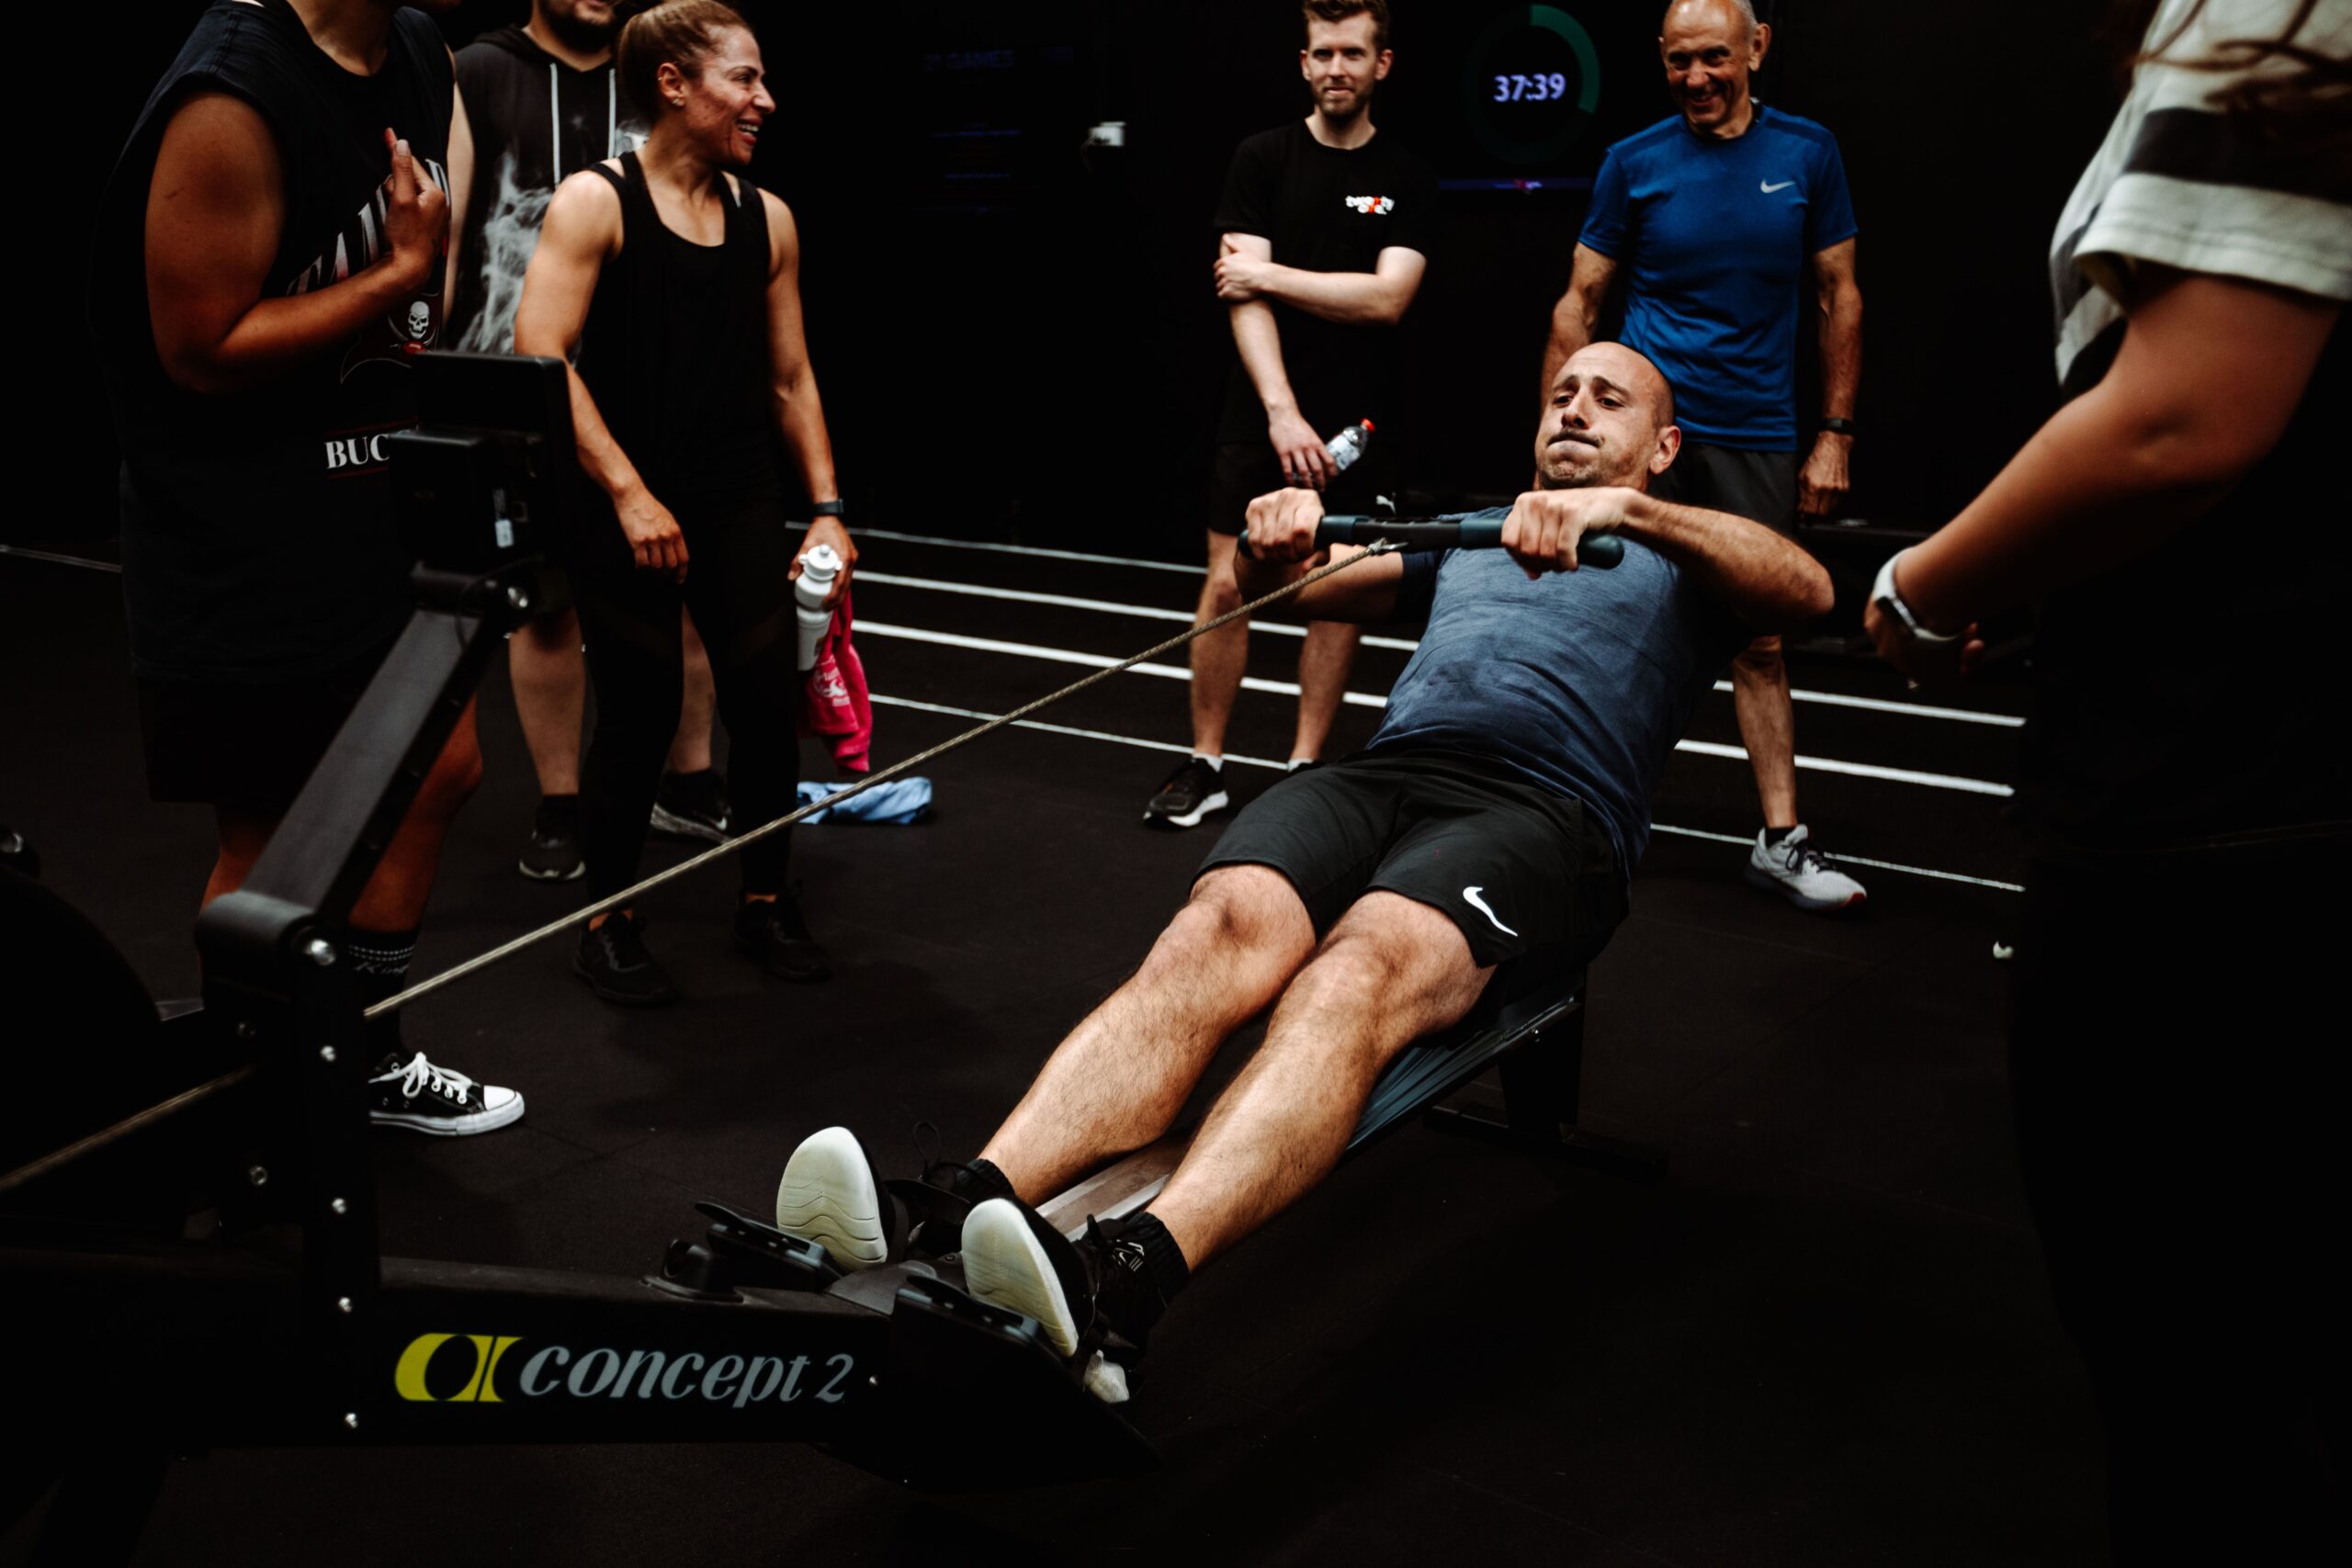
(1882, 594)
(1838, 426)
(833, 508)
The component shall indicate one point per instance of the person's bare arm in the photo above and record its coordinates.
(1575, 314)
(581, 232)
(2208, 374)
(799, 411)
(1824, 481)
(1259, 342)
(1379, 297)
(1765, 580)
(216, 208)
(1280, 548)
(462, 185)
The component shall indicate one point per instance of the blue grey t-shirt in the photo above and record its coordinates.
(1583, 681)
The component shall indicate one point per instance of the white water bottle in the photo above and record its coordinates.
(1349, 445)
(817, 569)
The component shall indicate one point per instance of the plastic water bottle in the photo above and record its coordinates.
(817, 569)
(1349, 445)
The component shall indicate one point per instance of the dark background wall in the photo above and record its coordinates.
(1016, 336)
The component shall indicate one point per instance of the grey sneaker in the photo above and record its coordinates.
(1798, 870)
(693, 806)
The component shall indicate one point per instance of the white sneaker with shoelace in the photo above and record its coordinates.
(423, 1098)
(1801, 873)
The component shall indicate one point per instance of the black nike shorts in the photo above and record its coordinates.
(1759, 486)
(1246, 470)
(1518, 868)
(246, 749)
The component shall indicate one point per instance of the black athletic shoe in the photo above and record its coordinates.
(613, 960)
(693, 806)
(423, 1098)
(771, 934)
(1190, 793)
(553, 853)
(1094, 1298)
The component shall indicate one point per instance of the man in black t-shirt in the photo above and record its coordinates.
(1324, 231)
(270, 260)
(545, 101)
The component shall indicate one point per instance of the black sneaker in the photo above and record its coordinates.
(1094, 1298)
(613, 960)
(553, 853)
(423, 1098)
(1190, 793)
(772, 934)
(693, 806)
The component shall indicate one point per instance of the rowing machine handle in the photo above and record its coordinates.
(1602, 550)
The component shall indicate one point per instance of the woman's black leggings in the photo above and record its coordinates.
(738, 555)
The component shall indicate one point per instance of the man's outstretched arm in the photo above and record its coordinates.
(1280, 548)
(1765, 580)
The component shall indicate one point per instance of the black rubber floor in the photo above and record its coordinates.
(1824, 1339)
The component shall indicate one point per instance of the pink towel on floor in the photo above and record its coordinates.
(834, 703)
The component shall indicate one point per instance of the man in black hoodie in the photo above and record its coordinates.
(544, 101)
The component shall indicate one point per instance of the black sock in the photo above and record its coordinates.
(1773, 836)
(381, 960)
(1163, 1259)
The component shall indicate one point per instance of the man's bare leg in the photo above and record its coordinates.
(1392, 971)
(550, 681)
(1323, 666)
(690, 748)
(1220, 658)
(1118, 1081)
(1767, 726)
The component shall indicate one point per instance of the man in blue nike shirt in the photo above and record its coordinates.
(1719, 220)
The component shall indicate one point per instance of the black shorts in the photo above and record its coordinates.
(1760, 486)
(1248, 469)
(246, 749)
(1518, 868)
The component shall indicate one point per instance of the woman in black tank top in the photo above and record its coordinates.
(671, 283)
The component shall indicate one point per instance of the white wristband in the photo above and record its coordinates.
(1883, 594)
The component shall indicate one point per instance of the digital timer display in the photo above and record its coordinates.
(1530, 83)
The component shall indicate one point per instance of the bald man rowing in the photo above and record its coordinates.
(1498, 811)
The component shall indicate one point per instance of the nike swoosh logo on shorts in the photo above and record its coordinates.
(1470, 895)
(1769, 189)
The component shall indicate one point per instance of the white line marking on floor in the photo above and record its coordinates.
(1367, 699)
(1020, 550)
(1273, 766)
(1402, 644)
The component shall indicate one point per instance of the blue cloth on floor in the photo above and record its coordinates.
(900, 801)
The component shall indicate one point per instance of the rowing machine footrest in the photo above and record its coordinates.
(956, 1356)
(755, 1253)
(923, 1206)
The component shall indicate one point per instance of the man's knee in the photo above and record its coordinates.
(1409, 959)
(1240, 907)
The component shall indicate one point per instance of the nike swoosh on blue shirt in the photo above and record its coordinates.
(1769, 189)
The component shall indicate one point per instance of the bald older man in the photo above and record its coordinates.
(1716, 221)
(1368, 902)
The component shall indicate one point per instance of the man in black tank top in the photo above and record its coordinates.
(544, 101)
(671, 284)
(268, 262)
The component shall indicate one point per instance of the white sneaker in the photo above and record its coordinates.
(1006, 1265)
(1801, 873)
(829, 1196)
